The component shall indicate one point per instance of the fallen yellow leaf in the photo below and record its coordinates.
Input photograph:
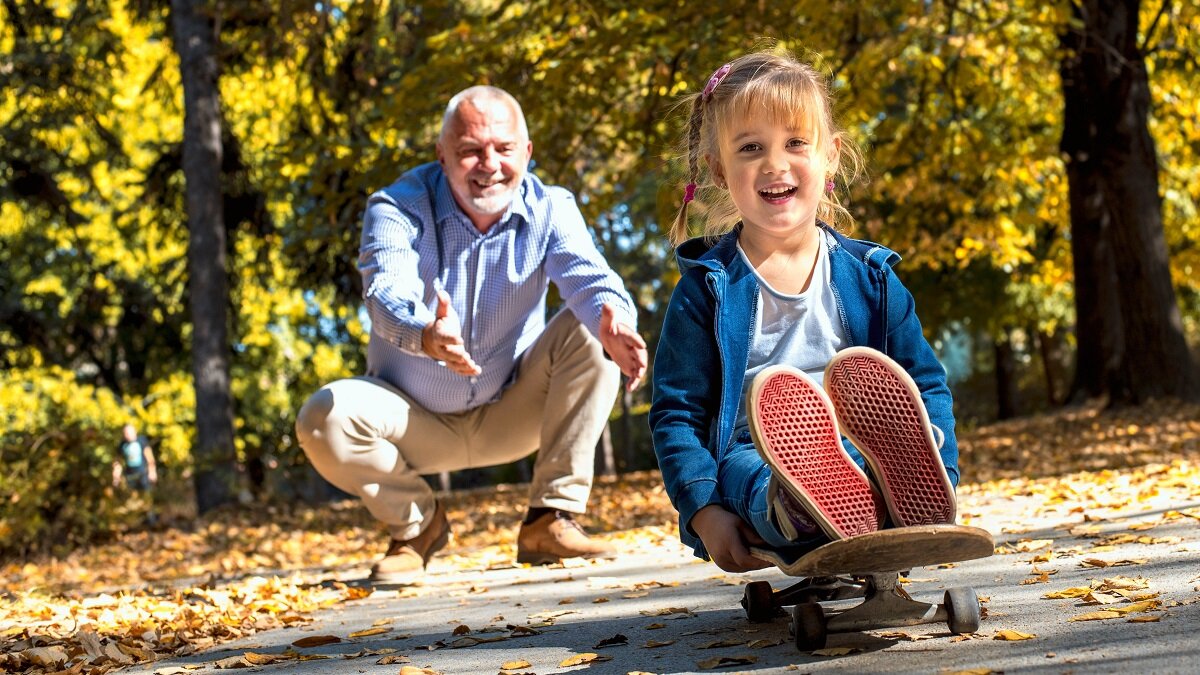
(580, 659)
(1073, 592)
(835, 651)
(651, 644)
(722, 643)
(1012, 635)
(316, 641)
(726, 661)
(1096, 616)
(1143, 606)
(514, 665)
(367, 632)
(666, 610)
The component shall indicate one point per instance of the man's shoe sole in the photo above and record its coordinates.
(409, 576)
(551, 559)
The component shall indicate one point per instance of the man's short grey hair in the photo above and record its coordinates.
(481, 93)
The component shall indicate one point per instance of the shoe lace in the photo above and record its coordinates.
(563, 515)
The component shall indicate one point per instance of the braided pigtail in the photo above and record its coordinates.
(679, 229)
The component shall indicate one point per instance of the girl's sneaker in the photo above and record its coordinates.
(795, 430)
(881, 412)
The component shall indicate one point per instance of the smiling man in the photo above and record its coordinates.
(463, 369)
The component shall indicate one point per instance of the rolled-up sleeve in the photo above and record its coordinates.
(392, 289)
(584, 278)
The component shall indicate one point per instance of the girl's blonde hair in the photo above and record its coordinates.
(776, 85)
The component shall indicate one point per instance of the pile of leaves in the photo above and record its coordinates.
(152, 594)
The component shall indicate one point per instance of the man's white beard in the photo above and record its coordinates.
(493, 204)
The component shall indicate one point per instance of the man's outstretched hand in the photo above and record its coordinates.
(624, 346)
(442, 339)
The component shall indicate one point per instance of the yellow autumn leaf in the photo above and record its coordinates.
(722, 643)
(1073, 592)
(580, 659)
(1126, 583)
(514, 665)
(651, 644)
(1031, 545)
(1143, 606)
(367, 632)
(759, 644)
(665, 611)
(257, 659)
(1012, 635)
(1096, 616)
(726, 661)
(835, 651)
(316, 641)
(1102, 598)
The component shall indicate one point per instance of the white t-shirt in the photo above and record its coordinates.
(803, 330)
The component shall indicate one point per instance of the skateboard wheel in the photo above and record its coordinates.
(759, 601)
(962, 610)
(808, 626)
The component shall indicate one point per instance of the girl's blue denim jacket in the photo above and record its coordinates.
(703, 351)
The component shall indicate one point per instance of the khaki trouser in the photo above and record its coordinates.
(371, 440)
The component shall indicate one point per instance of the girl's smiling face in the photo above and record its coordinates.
(775, 171)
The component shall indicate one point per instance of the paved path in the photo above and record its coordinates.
(462, 621)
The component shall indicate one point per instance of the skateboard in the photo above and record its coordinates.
(869, 566)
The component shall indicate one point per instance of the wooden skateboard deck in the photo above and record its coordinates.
(890, 550)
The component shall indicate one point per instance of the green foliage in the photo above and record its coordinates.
(56, 445)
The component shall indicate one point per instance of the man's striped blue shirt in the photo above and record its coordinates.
(417, 240)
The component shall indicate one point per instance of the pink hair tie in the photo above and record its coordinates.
(689, 192)
(715, 80)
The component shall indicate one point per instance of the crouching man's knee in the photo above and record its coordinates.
(313, 422)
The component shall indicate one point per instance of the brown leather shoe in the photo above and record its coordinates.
(405, 561)
(555, 536)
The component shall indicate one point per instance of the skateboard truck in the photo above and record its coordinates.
(869, 566)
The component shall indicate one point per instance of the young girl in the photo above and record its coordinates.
(779, 329)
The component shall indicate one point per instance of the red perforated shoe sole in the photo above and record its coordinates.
(881, 412)
(795, 431)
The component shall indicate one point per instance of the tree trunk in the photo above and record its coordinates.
(1006, 369)
(627, 454)
(605, 463)
(208, 289)
(1050, 348)
(1130, 333)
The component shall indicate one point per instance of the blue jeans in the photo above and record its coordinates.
(743, 478)
(138, 479)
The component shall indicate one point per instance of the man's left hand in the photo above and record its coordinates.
(624, 346)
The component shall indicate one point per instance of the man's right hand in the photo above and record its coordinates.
(442, 339)
(728, 539)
